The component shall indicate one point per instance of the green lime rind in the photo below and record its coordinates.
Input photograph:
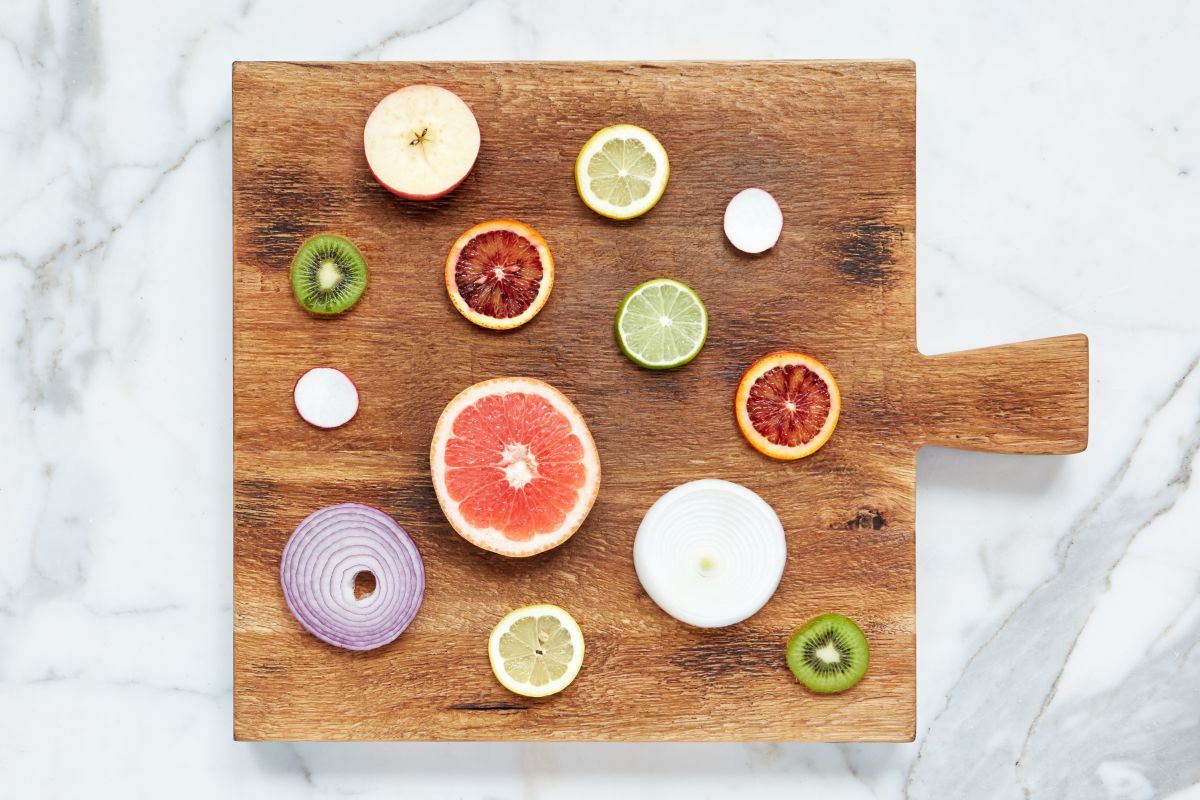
(328, 274)
(661, 324)
(844, 647)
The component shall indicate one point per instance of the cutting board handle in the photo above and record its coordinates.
(1027, 397)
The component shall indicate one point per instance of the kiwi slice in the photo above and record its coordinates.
(328, 274)
(828, 654)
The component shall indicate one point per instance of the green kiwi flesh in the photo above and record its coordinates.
(828, 654)
(328, 274)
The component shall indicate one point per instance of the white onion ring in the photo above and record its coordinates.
(323, 557)
(710, 553)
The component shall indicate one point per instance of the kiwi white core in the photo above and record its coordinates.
(828, 654)
(328, 275)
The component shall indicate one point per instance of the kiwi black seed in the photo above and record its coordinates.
(328, 274)
(828, 654)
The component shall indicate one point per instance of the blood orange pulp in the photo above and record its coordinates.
(499, 274)
(787, 405)
(514, 466)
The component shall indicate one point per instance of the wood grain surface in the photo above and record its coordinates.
(834, 142)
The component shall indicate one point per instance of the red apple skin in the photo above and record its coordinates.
(410, 195)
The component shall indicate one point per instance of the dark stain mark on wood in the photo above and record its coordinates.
(410, 497)
(494, 706)
(741, 341)
(289, 227)
(735, 654)
(256, 502)
(864, 252)
(867, 519)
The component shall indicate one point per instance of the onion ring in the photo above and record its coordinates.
(710, 553)
(323, 559)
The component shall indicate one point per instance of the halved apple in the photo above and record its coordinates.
(421, 141)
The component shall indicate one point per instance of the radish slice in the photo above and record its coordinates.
(710, 553)
(753, 221)
(325, 397)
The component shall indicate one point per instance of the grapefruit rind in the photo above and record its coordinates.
(492, 539)
(547, 282)
(761, 443)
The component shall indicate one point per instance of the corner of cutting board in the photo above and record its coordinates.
(243, 732)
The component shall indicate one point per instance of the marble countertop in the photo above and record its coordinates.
(1058, 597)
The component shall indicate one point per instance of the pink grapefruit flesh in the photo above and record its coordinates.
(514, 466)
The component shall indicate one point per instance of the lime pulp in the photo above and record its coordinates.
(661, 324)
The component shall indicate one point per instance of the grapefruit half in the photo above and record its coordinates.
(514, 466)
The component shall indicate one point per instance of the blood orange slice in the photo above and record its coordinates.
(514, 466)
(787, 405)
(499, 274)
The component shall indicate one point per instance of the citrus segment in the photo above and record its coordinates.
(514, 466)
(536, 651)
(499, 274)
(787, 405)
(622, 171)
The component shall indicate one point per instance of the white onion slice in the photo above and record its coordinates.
(753, 221)
(710, 553)
(326, 397)
(324, 558)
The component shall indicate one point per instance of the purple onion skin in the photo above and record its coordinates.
(318, 568)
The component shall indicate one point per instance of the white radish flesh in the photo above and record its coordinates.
(325, 397)
(753, 221)
(710, 553)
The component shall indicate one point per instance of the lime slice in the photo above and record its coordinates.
(536, 650)
(661, 324)
(621, 172)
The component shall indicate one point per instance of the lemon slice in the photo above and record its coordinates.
(621, 172)
(536, 650)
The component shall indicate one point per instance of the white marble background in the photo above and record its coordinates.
(1059, 191)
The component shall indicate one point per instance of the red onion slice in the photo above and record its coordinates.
(324, 557)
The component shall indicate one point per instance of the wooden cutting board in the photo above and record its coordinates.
(834, 142)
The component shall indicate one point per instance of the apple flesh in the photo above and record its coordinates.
(421, 141)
